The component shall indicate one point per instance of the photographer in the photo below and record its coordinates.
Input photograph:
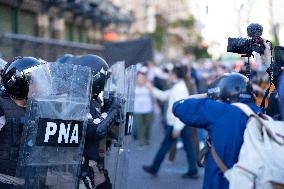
(274, 72)
(281, 94)
(224, 122)
(245, 47)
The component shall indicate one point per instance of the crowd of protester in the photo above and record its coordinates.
(153, 80)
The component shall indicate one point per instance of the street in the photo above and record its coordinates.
(169, 176)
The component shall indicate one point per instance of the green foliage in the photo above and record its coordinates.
(198, 51)
(188, 24)
(158, 37)
(185, 23)
(195, 46)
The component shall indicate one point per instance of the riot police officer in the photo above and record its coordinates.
(224, 122)
(97, 129)
(12, 112)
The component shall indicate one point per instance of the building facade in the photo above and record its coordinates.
(83, 21)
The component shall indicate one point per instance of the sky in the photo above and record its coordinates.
(230, 18)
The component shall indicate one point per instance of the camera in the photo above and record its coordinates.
(245, 46)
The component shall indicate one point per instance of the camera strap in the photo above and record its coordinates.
(267, 92)
(218, 160)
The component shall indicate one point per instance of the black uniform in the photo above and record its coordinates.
(10, 137)
(91, 150)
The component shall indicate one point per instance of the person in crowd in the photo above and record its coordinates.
(181, 89)
(224, 122)
(274, 71)
(281, 94)
(143, 109)
(12, 113)
(161, 82)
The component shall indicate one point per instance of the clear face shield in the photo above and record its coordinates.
(115, 84)
(54, 134)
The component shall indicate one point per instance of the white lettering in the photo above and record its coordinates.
(50, 130)
(130, 123)
(74, 136)
(63, 133)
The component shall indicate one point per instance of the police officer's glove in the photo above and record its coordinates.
(113, 103)
(106, 124)
(108, 102)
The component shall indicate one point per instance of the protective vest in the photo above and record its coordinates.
(10, 135)
(91, 149)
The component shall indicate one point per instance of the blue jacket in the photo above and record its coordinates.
(225, 124)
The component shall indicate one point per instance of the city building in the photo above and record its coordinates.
(82, 21)
(51, 28)
(148, 14)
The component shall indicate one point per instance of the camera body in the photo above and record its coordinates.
(245, 46)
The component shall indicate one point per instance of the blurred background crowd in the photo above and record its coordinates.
(201, 74)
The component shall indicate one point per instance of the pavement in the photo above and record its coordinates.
(169, 176)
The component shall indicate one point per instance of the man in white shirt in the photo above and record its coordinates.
(175, 127)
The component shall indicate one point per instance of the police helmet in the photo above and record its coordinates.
(99, 69)
(14, 77)
(230, 88)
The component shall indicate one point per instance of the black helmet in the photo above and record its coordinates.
(99, 69)
(14, 76)
(231, 88)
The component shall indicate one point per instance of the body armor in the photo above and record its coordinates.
(10, 135)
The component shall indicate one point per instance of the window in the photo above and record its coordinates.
(75, 33)
(50, 28)
(83, 36)
(68, 32)
(26, 23)
(6, 19)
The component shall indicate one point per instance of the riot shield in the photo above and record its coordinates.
(115, 88)
(122, 85)
(130, 84)
(124, 150)
(54, 133)
(115, 84)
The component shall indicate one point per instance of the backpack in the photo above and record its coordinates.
(261, 159)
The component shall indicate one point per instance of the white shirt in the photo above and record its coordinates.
(177, 92)
(143, 103)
